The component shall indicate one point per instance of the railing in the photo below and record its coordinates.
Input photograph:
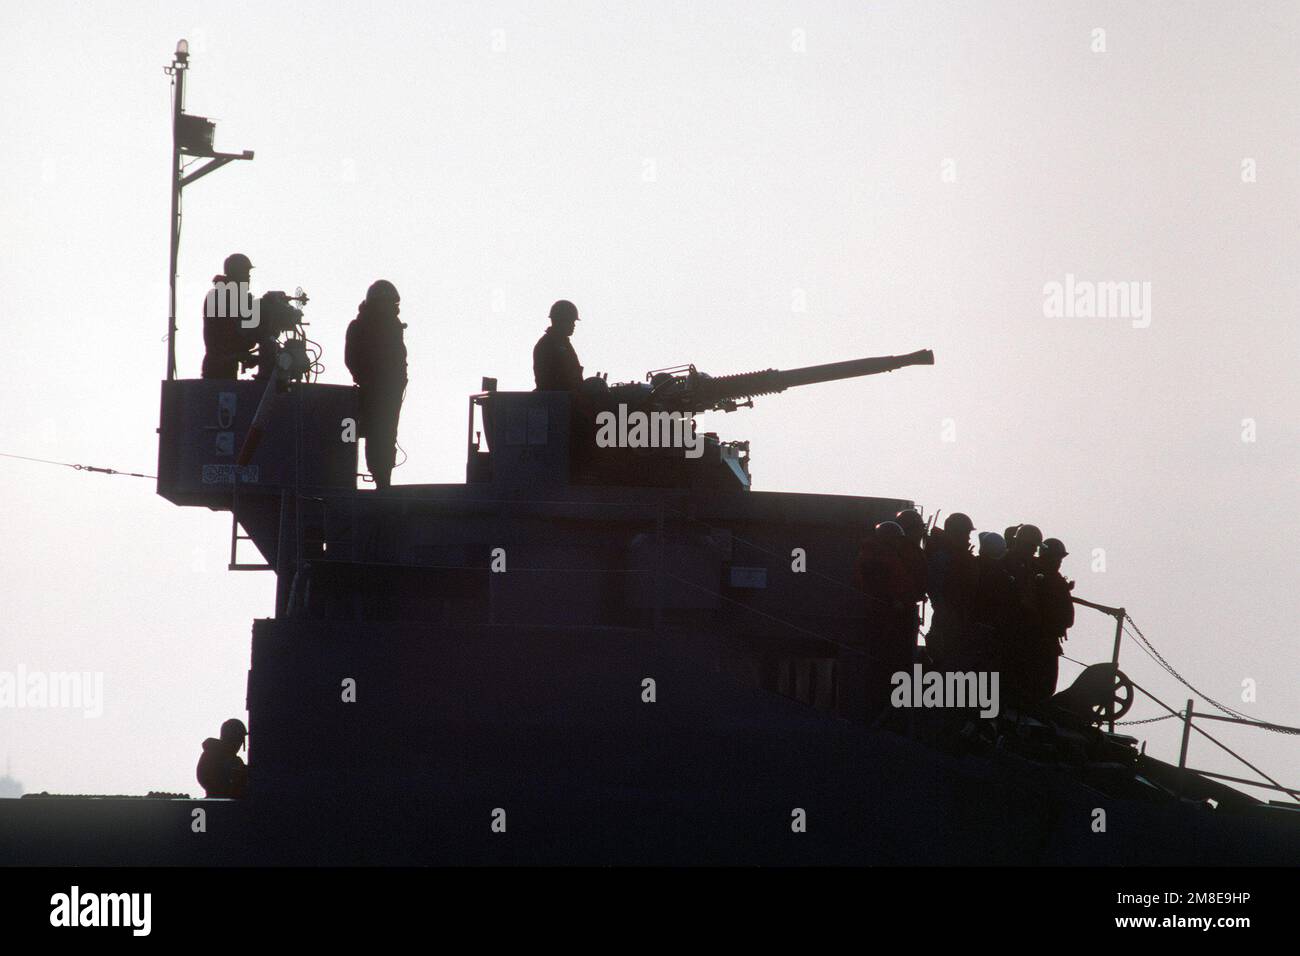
(1188, 714)
(1189, 726)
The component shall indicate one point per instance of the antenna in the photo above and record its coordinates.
(191, 136)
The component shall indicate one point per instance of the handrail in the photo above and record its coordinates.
(1118, 613)
(1182, 761)
(1097, 607)
(1281, 728)
(1188, 715)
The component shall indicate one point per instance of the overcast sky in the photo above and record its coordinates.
(738, 185)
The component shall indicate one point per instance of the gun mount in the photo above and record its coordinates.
(687, 390)
(536, 438)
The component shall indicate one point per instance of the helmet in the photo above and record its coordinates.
(911, 522)
(992, 545)
(234, 731)
(1053, 548)
(381, 290)
(1028, 538)
(563, 309)
(889, 529)
(237, 264)
(958, 524)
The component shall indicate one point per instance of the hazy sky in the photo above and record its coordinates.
(738, 185)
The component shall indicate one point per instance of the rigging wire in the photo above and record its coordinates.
(75, 467)
(1145, 644)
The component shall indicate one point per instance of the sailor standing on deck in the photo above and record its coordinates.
(221, 772)
(556, 369)
(555, 364)
(913, 555)
(951, 581)
(226, 309)
(891, 593)
(1056, 616)
(376, 356)
(1024, 620)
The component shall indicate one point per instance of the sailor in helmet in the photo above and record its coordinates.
(221, 772)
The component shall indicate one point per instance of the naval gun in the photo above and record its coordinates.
(537, 438)
(689, 391)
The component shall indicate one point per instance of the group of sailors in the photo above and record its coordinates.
(239, 336)
(1005, 609)
(375, 352)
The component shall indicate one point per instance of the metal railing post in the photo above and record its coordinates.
(1187, 733)
(1114, 654)
(234, 518)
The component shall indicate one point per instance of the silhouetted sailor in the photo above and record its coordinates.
(946, 545)
(221, 772)
(555, 364)
(226, 341)
(1024, 620)
(376, 356)
(951, 578)
(993, 547)
(1056, 616)
(892, 592)
(993, 607)
(913, 526)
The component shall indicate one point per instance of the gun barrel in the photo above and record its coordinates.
(711, 392)
(855, 368)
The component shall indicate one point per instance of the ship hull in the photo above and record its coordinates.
(396, 744)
